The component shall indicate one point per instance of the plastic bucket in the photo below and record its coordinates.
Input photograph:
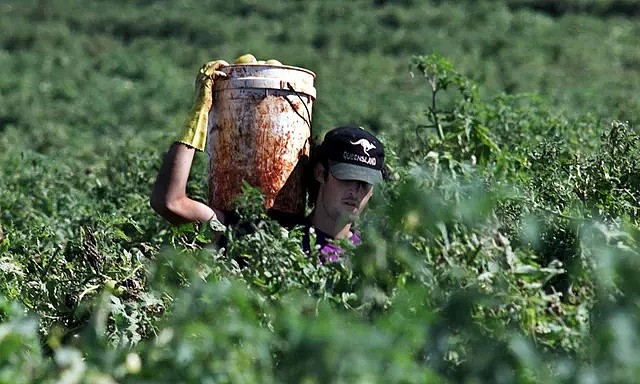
(259, 130)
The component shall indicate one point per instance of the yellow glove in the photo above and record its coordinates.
(194, 130)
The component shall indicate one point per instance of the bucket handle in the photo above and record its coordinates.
(308, 121)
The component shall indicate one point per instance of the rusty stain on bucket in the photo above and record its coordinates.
(259, 132)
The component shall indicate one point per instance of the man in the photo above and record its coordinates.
(346, 166)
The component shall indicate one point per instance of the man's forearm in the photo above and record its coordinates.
(185, 210)
(169, 197)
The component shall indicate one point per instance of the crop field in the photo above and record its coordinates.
(504, 249)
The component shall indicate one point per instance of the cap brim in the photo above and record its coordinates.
(346, 171)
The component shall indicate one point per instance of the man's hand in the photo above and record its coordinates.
(194, 130)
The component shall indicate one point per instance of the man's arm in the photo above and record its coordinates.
(169, 197)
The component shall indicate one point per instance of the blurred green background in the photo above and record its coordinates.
(81, 76)
(505, 249)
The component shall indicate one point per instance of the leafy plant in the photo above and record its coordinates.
(504, 249)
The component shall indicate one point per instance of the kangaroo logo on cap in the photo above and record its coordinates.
(366, 145)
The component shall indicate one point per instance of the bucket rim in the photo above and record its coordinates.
(283, 66)
(265, 83)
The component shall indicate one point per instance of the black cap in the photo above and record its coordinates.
(354, 154)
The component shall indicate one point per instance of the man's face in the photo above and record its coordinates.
(343, 200)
